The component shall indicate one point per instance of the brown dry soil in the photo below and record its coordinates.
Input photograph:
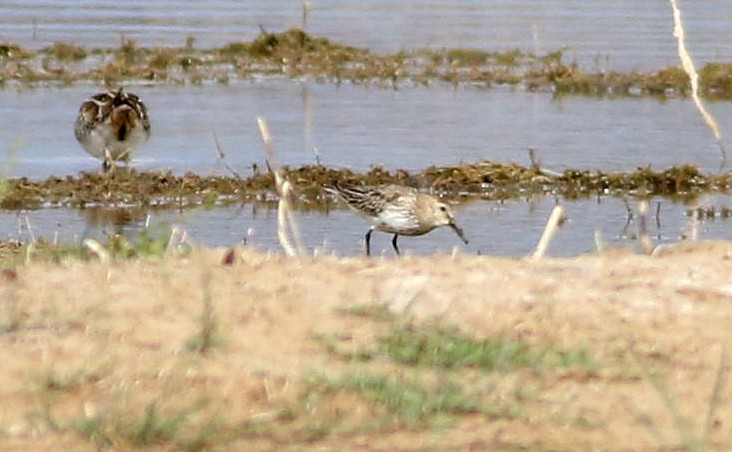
(244, 350)
(294, 53)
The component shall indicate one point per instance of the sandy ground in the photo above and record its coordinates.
(89, 347)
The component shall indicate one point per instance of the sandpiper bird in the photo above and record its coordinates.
(397, 210)
(111, 126)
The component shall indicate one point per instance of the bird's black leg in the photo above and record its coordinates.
(107, 166)
(107, 163)
(368, 242)
(394, 244)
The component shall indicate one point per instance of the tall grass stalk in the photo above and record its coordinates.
(688, 65)
(691, 440)
(669, 401)
(714, 397)
(208, 334)
(288, 231)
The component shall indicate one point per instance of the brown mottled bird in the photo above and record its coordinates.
(111, 126)
(397, 210)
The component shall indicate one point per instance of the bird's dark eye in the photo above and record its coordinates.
(443, 208)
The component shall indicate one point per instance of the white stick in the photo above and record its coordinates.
(688, 65)
(551, 228)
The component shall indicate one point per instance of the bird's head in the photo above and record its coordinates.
(444, 217)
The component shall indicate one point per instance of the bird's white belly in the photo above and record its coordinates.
(102, 139)
(396, 221)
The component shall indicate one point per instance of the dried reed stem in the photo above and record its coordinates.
(97, 249)
(643, 236)
(555, 219)
(178, 238)
(536, 164)
(305, 13)
(222, 156)
(599, 242)
(688, 65)
(692, 228)
(28, 228)
(658, 215)
(308, 112)
(287, 229)
(715, 396)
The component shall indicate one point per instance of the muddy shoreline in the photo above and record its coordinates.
(483, 180)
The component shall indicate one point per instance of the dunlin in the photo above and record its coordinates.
(397, 210)
(111, 126)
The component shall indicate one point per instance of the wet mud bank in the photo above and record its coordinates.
(296, 54)
(482, 180)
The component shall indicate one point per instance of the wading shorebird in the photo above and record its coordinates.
(397, 210)
(111, 126)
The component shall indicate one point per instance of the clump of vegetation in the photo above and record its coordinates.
(208, 335)
(450, 349)
(467, 57)
(450, 358)
(295, 53)
(487, 180)
(151, 427)
(146, 244)
(410, 404)
(163, 58)
(66, 52)
(671, 79)
(716, 80)
(446, 349)
(128, 52)
(235, 48)
(150, 243)
(11, 51)
(279, 45)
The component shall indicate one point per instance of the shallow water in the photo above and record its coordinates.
(358, 127)
(510, 228)
(622, 34)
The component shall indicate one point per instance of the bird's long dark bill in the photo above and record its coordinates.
(459, 231)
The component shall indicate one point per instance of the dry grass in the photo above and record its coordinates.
(618, 351)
